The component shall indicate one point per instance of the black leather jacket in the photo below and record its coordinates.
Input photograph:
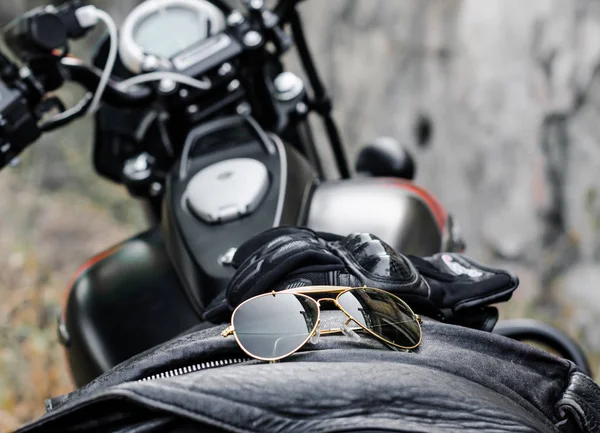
(459, 380)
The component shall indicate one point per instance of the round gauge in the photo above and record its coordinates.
(160, 29)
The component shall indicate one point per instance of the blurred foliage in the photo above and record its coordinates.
(55, 213)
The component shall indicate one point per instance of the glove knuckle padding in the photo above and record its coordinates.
(371, 260)
(281, 257)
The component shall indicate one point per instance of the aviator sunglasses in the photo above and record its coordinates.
(275, 325)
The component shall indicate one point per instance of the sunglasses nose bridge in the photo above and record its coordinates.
(325, 299)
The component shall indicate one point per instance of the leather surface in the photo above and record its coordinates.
(332, 396)
(582, 400)
(458, 380)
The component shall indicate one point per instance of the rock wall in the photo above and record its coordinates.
(510, 92)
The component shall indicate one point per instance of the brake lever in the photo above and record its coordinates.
(66, 116)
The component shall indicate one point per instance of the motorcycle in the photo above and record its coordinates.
(196, 115)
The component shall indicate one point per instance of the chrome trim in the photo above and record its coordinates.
(132, 55)
(207, 49)
(283, 180)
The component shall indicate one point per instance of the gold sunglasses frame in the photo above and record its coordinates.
(304, 292)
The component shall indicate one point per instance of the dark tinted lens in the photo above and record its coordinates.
(384, 314)
(273, 326)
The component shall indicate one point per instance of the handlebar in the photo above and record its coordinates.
(137, 96)
(21, 126)
(21, 94)
(539, 332)
(89, 78)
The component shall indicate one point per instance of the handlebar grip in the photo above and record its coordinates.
(8, 70)
(18, 124)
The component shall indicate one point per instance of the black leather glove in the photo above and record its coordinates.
(446, 287)
(464, 289)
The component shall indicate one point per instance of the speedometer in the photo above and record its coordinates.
(169, 31)
(160, 29)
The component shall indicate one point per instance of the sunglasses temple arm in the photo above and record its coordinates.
(227, 332)
(346, 330)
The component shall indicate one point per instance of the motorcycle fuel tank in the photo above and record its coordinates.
(222, 194)
(122, 302)
(406, 216)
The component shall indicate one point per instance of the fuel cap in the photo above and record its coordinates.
(227, 190)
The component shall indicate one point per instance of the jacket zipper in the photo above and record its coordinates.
(195, 367)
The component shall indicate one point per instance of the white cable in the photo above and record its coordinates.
(110, 61)
(204, 84)
(87, 16)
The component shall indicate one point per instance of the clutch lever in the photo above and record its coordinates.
(67, 115)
